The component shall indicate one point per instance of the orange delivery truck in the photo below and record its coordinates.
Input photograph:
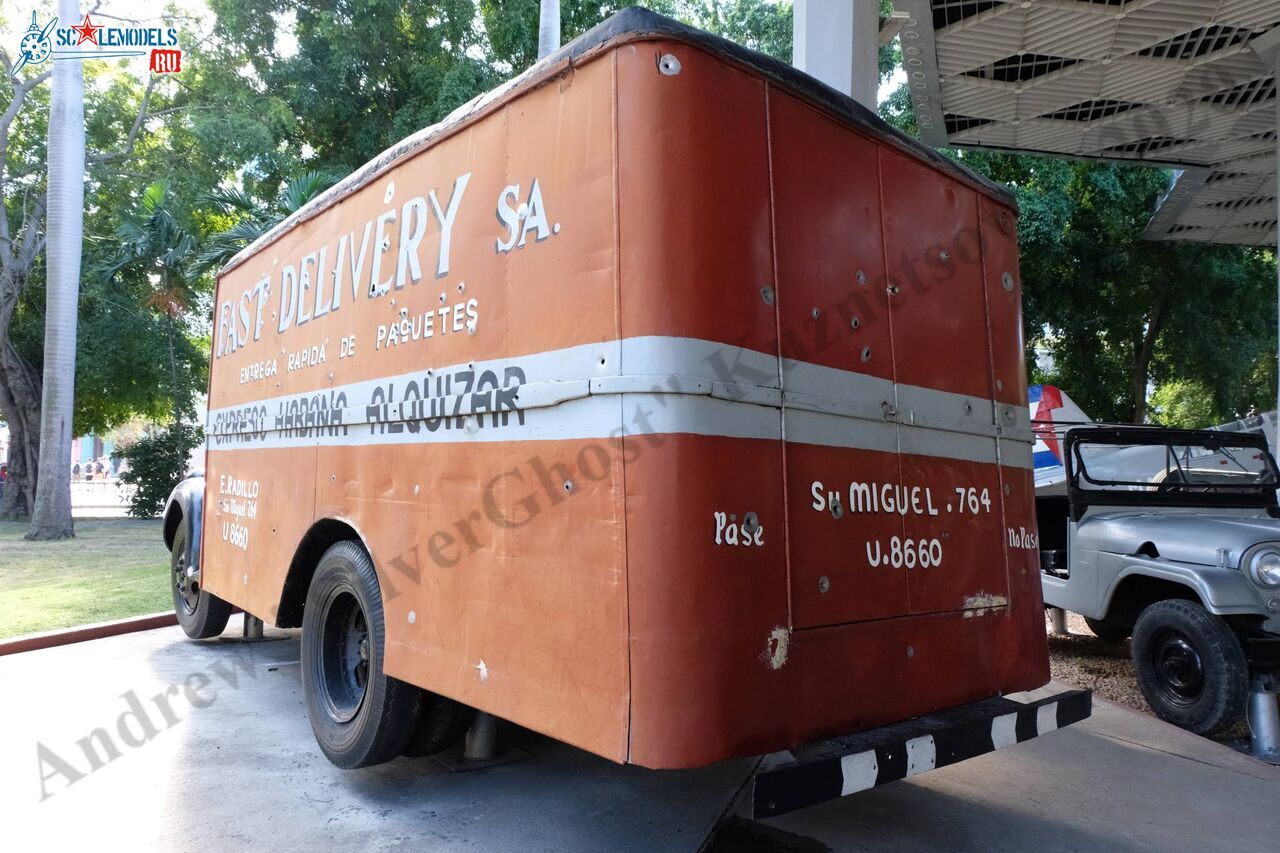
(663, 401)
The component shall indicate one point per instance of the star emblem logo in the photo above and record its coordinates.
(87, 32)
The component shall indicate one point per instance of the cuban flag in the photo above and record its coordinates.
(1052, 412)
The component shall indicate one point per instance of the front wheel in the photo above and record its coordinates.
(1191, 668)
(360, 715)
(201, 614)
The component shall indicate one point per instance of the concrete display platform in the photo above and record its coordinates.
(226, 757)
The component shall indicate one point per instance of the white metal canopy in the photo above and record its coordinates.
(1167, 82)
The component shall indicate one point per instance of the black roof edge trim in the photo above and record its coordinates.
(636, 21)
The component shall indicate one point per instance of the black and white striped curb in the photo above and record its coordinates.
(845, 765)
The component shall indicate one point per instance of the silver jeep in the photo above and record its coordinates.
(1171, 537)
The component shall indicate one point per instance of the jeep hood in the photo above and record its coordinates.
(1182, 537)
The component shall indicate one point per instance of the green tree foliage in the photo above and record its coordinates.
(1185, 404)
(253, 218)
(1118, 314)
(136, 132)
(511, 27)
(157, 462)
(150, 270)
(362, 75)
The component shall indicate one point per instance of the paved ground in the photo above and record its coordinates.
(233, 762)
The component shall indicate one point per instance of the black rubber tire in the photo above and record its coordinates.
(1108, 632)
(386, 712)
(1219, 701)
(443, 723)
(209, 617)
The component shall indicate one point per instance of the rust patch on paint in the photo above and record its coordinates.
(775, 649)
(982, 603)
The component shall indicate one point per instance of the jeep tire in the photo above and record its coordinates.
(1191, 667)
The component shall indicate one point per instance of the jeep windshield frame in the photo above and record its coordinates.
(1123, 466)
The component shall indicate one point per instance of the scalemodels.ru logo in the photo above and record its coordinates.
(87, 40)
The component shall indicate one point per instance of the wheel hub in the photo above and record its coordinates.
(1178, 667)
(345, 656)
(186, 583)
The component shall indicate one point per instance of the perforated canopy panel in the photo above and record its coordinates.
(1167, 82)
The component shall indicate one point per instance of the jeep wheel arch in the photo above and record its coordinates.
(1134, 593)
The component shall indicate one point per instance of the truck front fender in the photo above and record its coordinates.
(1223, 591)
(186, 507)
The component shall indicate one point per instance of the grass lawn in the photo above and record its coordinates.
(112, 569)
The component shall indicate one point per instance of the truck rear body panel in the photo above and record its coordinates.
(708, 443)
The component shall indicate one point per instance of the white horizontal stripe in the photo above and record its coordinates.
(660, 354)
(665, 385)
(1016, 454)
(660, 414)
(835, 431)
(859, 772)
(952, 445)
(834, 391)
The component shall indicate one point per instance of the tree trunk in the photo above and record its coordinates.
(20, 409)
(51, 517)
(1143, 355)
(173, 373)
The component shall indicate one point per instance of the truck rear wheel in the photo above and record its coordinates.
(1191, 668)
(444, 722)
(360, 715)
(201, 614)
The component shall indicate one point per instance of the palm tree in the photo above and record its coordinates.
(153, 241)
(256, 218)
(51, 516)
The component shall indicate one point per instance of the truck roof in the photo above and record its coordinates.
(629, 25)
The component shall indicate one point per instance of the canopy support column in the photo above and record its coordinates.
(838, 42)
(548, 27)
(1267, 46)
